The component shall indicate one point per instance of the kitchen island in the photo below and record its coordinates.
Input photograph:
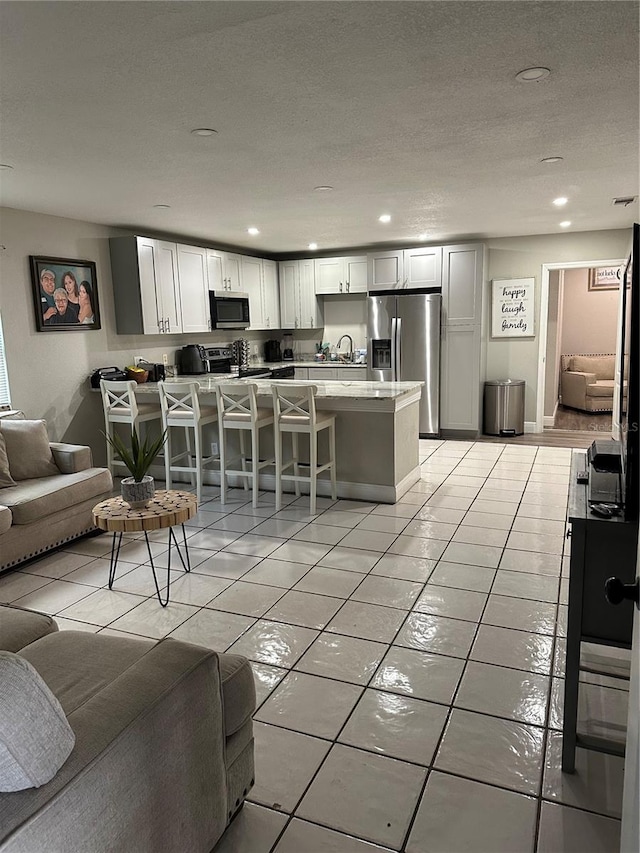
(376, 433)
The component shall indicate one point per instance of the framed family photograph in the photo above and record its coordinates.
(65, 294)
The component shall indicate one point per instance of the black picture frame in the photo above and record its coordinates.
(78, 280)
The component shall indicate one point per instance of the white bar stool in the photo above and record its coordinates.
(294, 409)
(238, 410)
(180, 406)
(121, 407)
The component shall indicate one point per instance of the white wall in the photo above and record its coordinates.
(590, 317)
(345, 315)
(523, 257)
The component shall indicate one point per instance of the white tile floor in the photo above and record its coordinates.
(409, 659)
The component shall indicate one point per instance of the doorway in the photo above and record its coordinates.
(579, 329)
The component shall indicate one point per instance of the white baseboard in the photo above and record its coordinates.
(529, 426)
(549, 421)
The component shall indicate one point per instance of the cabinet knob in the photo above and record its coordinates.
(616, 591)
(340, 287)
(347, 287)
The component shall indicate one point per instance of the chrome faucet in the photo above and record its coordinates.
(350, 357)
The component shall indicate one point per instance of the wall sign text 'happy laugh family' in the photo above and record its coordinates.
(512, 306)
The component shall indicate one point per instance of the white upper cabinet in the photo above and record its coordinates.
(355, 270)
(270, 295)
(329, 273)
(298, 303)
(225, 270)
(341, 275)
(215, 272)
(423, 267)
(462, 280)
(167, 288)
(289, 277)
(194, 289)
(251, 272)
(310, 312)
(150, 299)
(232, 268)
(386, 270)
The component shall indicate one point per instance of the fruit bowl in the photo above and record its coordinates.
(138, 376)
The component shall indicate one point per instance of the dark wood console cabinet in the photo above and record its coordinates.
(600, 548)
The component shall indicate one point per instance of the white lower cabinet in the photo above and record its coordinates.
(323, 373)
(460, 378)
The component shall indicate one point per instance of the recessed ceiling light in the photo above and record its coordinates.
(313, 246)
(204, 131)
(253, 231)
(162, 206)
(560, 202)
(325, 188)
(384, 218)
(551, 159)
(565, 224)
(423, 236)
(532, 75)
(5, 166)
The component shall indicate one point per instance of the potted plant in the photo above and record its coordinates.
(138, 489)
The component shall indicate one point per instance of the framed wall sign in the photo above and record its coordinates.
(512, 307)
(605, 278)
(65, 294)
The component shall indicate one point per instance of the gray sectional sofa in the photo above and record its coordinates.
(38, 513)
(163, 754)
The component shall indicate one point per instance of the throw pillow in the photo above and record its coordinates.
(28, 449)
(35, 736)
(5, 476)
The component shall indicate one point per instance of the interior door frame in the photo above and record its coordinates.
(544, 321)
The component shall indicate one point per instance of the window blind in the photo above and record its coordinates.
(5, 399)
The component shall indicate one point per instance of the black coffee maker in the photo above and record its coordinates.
(192, 360)
(272, 351)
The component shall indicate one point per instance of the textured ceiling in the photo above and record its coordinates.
(405, 108)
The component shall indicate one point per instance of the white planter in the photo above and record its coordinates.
(138, 494)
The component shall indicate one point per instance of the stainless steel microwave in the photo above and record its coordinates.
(228, 310)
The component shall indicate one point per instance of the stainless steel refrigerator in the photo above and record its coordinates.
(404, 344)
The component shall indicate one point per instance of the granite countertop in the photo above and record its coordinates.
(326, 388)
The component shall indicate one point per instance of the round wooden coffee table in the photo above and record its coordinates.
(166, 509)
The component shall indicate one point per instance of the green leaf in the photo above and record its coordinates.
(139, 457)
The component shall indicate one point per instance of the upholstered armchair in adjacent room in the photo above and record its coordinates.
(587, 381)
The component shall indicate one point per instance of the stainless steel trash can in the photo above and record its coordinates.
(504, 407)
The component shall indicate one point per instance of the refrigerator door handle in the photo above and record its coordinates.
(393, 349)
(399, 349)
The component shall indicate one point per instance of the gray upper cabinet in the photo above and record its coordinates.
(462, 279)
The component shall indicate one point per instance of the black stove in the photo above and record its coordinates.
(258, 372)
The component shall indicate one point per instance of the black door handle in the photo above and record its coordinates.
(616, 591)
